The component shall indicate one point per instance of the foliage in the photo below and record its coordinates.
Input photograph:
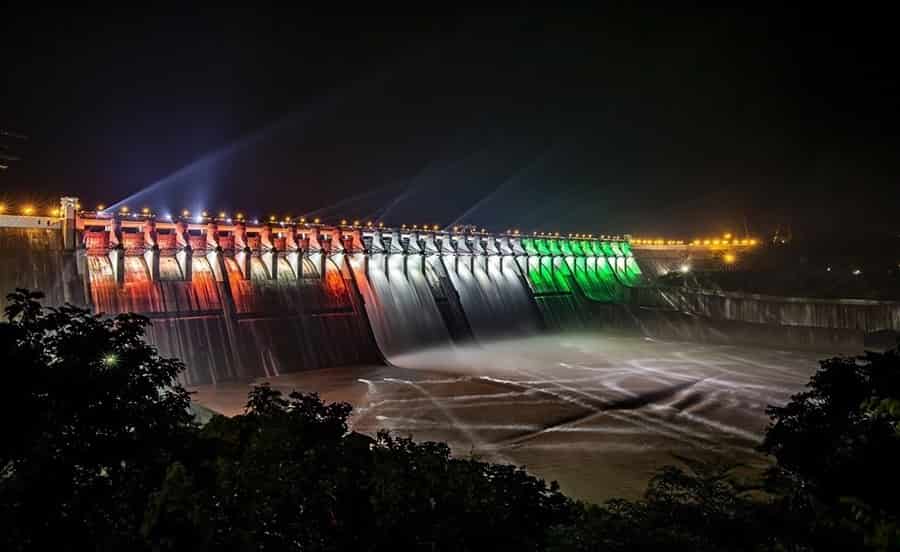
(837, 445)
(88, 424)
(98, 445)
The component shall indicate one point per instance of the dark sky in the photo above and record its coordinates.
(638, 122)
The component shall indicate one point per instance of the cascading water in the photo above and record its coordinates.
(399, 302)
(230, 327)
(492, 295)
(239, 313)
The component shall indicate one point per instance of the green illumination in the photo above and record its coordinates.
(597, 281)
(542, 247)
(540, 276)
(554, 247)
(631, 273)
(600, 269)
(561, 275)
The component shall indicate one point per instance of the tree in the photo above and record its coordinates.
(837, 446)
(98, 449)
(89, 427)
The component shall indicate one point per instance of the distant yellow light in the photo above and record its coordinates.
(303, 219)
(2, 208)
(124, 209)
(222, 215)
(729, 258)
(185, 213)
(316, 220)
(705, 242)
(715, 242)
(381, 225)
(727, 236)
(54, 213)
(435, 227)
(343, 222)
(752, 242)
(27, 210)
(205, 214)
(101, 207)
(239, 216)
(272, 218)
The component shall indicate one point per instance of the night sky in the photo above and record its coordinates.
(642, 122)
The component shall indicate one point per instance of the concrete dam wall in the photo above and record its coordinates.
(237, 300)
(852, 314)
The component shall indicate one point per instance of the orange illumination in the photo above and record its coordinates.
(54, 213)
(2, 208)
(101, 207)
(272, 218)
(27, 210)
(727, 236)
(316, 221)
(729, 258)
(752, 242)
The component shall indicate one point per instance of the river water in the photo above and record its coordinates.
(597, 413)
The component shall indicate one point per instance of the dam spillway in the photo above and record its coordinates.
(236, 299)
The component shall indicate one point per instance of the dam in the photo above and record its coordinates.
(565, 354)
(238, 299)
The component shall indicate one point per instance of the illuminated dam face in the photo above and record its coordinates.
(237, 300)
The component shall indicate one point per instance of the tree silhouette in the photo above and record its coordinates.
(90, 424)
